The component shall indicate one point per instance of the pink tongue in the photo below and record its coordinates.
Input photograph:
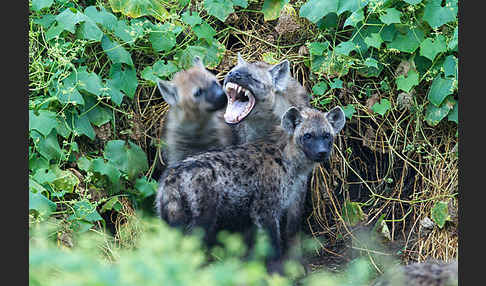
(234, 110)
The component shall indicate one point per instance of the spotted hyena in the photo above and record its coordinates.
(194, 121)
(258, 95)
(260, 184)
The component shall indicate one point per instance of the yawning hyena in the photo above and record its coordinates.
(258, 183)
(194, 121)
(258, 95)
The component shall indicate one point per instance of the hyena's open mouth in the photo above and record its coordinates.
(240, 102)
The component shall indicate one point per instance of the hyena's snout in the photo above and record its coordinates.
(216, 97)
(318, 150)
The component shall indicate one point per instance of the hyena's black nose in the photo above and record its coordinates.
(216, 96)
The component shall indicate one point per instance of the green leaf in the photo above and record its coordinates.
(450, 66)
(115, 52)
(145, 187)
(314, 10)
(44, 175)
(106, 19)
(345, 48)
(89, 82)
(271, 9)
(49, 148)
(219, 8)
(67, 20)
(336, 83)
(436, 15)
(204, 31)
(434, 114)
(349, 110)
(123, 78)
(191, 18)
(318, 48)
(130, 159)
(67, 91)
(44, 122)
(42, 205)
(45, 21)
(388, 33)
(97, 114)
(109, 205)
(430, 49)
(38, 5)
(407, 83)
(210, 53)
(113, 92)
(374, 40)
(65, 181)
(452, 46)
(82, 126)
(162, 41)
(100, 166)
(125, 32)
(440, 213)
(439, 90)
(89, 30)
(352, 213)
(84, 210)
(391, 16)
(381, 107)
(319, 88)
(371, 62)
(139, 8)
(408, 42)
(354, 18)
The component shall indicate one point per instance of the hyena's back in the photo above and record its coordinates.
(215, 179)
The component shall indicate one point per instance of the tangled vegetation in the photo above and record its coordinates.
(95, 116)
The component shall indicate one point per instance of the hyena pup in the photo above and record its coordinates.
(253, 184)
(194, 121)
(258, 95)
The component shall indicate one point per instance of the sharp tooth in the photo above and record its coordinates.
(247, 93)
(238, 89)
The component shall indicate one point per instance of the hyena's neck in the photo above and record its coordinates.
(187, 137)
(297, 163)
(262, 125)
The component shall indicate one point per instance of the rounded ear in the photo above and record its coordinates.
(291, 119)
(336, 118)
(196, 61)
(168, 91)
(280, 75)
(241, 61)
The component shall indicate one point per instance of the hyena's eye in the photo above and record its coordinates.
(326, 136)
(198, 93)
(307, 136)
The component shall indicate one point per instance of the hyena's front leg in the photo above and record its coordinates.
(274, 262)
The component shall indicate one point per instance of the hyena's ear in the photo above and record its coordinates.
(241, 61)
(168, 91)
(196, 61)
(291, 119)
(336, 118)
(280, 75)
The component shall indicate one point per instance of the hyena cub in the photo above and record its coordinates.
(241, 186)
(194, 121)
(260, 93)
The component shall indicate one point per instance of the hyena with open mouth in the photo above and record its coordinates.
(258, 95)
